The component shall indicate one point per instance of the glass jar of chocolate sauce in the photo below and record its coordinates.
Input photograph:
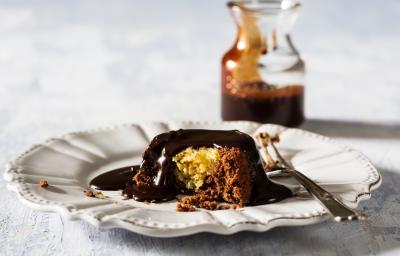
(263, 74)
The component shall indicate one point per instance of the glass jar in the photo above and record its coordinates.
(263, 74)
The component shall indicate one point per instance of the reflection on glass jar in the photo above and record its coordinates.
(263, 74)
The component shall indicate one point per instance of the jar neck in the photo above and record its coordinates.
(264, 30)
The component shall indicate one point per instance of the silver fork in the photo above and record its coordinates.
(332, 204)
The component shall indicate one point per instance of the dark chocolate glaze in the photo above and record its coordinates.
(157, 163)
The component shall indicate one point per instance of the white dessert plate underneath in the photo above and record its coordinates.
(69, 163)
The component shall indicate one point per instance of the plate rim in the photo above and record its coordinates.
(14, 184)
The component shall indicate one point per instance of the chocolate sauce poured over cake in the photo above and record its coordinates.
(157, 163)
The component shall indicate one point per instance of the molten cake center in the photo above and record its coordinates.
(194, 165)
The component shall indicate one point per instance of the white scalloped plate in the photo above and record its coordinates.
(70, 162)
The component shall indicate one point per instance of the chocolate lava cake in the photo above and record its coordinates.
(211, 169)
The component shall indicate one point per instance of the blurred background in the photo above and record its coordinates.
(78, 64)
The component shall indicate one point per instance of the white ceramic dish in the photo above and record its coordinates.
(70, 162)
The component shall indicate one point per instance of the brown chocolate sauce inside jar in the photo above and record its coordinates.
(157, 163)
(283, 106)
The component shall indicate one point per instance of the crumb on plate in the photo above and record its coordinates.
(100, 195)
(88, 192)
(43, 183)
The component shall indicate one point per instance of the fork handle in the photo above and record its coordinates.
(337, 209)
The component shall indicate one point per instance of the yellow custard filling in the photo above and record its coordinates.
(194, 165)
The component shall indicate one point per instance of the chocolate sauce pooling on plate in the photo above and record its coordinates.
(157, 163)
(116, 179)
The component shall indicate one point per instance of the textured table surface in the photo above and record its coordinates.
(73, 65)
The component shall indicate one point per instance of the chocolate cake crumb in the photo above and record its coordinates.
(100, 195)
(181, 207)
(43, 183)
(88, 192)
(235, 206)
(223, 207)
(91, 193)
(265, 137)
